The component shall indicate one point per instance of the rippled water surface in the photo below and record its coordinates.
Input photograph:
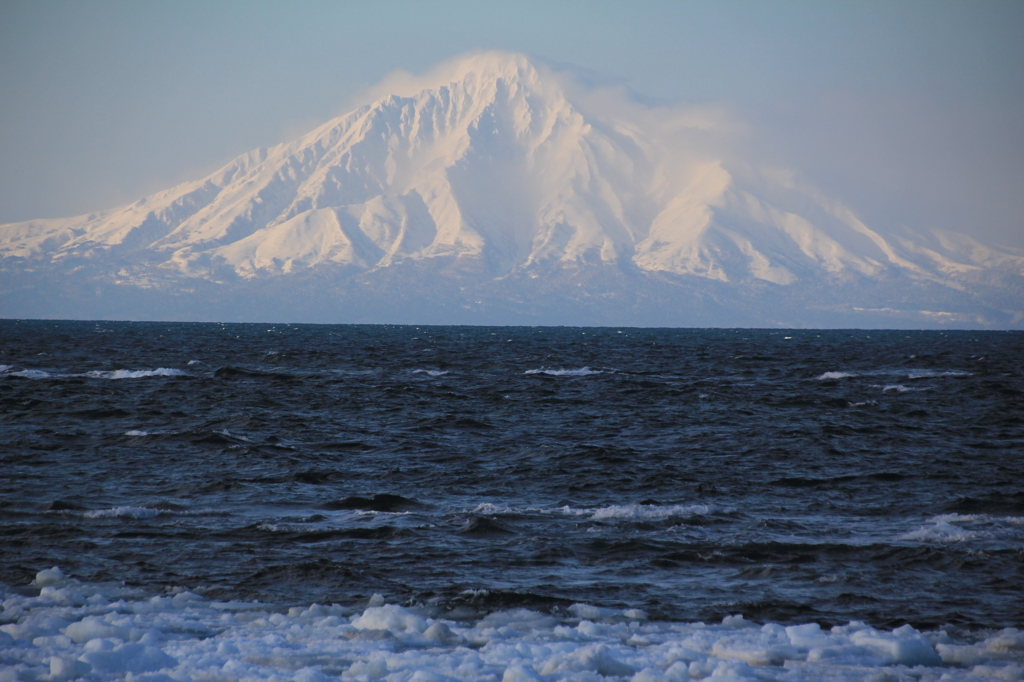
(790, 476)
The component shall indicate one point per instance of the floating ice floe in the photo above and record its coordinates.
(105, 632)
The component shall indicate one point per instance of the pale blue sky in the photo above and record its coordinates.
(911, 112)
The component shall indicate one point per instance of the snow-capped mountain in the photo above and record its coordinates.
(497, 183)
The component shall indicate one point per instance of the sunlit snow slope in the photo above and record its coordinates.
(503, 167)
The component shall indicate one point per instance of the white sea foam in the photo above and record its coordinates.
(228, 434)
(5, 370)
(912, 375)
(277, 527)
(123, 512)
(430, 372)
(616, 511)
(135, 433)
(106, 632)
(30, 374)
(138, 374)
(129, 512)
(581, 372)
(491, 509)
(940, 531)
(1007, 530)
(641, 511)
(933, 373)
(897, 388)
(835, 375)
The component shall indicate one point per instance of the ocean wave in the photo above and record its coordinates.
(832, 376)
(948, 528)
(911, 374)
(430, 372)
(491, 509)
(940, 532)
(138, 374)
(132, 512)
(581, 372)
(11, 371)
(615, 511)
(640, 511)
(932, 373)
(125, 512)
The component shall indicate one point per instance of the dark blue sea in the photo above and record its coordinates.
(788, 476)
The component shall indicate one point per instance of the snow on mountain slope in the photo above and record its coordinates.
(494, 160)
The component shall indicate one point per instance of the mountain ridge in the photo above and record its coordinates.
(495, 166)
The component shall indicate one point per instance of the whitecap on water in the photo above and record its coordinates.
(25, 373)
(640, 511)
(912, 375)
(948, 528)
(138, 374)
(430, 372)
(491, 509)
(130, 512)
(123, 512)
(7, 370)
(835, 375)
(932, 374)
(581, 372)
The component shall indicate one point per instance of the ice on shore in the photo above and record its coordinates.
(75, 630)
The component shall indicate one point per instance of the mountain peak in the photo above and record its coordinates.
(493, 64)
(480, 75)
(489, 65)
(484, 165)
